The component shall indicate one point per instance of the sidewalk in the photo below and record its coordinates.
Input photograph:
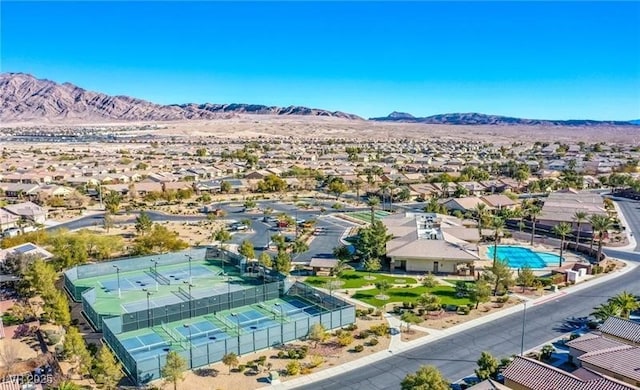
(397, 345)
(632, 240)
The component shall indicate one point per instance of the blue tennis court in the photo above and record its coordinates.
(146, 345)
(126, 284)
(293, 308)
(202, 332)
(251, 320)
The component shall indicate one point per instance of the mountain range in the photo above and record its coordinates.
(25, 98)
(473, 118)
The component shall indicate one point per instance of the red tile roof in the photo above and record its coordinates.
(536, 375)
(622, 328)
(623, 360)
(593, 342)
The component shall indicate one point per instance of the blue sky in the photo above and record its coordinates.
(529, 59)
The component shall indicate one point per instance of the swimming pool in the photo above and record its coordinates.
(518, 257)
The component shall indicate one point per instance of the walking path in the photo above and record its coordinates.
(397, 345)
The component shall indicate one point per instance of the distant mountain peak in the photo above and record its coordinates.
(474, 118)
(24, 97)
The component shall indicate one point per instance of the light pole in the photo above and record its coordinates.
(235, 315)
(118, 276)
(190, 346)
(229, 292)
(149, 293)
(281, 322)
(524, 319)
(190, 258)
(189, 285)
(155, 269)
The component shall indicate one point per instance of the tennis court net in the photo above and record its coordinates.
(159, 277)
(149, 347)
(174, 335)
(185, 293)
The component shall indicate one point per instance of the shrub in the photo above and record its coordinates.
(241, 367)
(351, 327)
(262, 359)
(373, 341)
(358, 348)
(363, 334)
(282, 354)
(315, 361)
(597, 269)
(546, 282)
(380, 330)
(573, 336)
(464, 309)
(406, 305)
(293, 368)
(305, 370)
(370, 310)
(503, 299)
(338, 332)
(345, 339)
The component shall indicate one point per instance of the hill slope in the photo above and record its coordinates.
(26, 98)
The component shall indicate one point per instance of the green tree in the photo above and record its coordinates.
(372, 265)
(497, 224)
(373, 202)
(107, 221)
(75, 350)
(481, 213)
(429, 281)
(246, 249)
(430, 302)
(487, 366)
(67, 385)
(600, 225)
(606, 310)
(533, 212)
(626, 303)
(173, 370)
(108, 370)
(56, 307)
(222, 236)
(272, 183)
(410, 318)
(230, 360)
(282, 262)
(265, 260)
(317, 334)
(426, 378)
(500, 275)
(39, 278)
(342, 253)
(546, 352)
(143, 223)
(562, 229)
(383, 286)
(337, 187)
(298, 246)
(159, 240)
(372, 241)
(480, 293)
(526, 277)
(112, 202)
(579, 217)
(225, 187)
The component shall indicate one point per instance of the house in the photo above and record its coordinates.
(621, 329)
(8, 220)
(28, 211)
(499, 202)
(430, 242)
(528, 374)
(322, 267)
(465, 204)
(19, 190)
(26, 249)
(561, 206)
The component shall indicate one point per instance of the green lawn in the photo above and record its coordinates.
(355, 279)
(447, 295)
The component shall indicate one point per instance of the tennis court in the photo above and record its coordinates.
(150, 344)
(201, 332)
(250, 320)
(292, 308)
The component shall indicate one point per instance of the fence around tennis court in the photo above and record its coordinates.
(334, 313)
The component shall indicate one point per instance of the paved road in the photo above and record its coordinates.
(456, 356)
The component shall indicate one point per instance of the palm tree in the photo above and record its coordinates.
(562, 229)
(579, 216)
(600, 225)
(357, 185)
(605, 311)
(498, 228)
(299, 246)
(533, 212)
(373, 202)
(481, 212)
(626, 303)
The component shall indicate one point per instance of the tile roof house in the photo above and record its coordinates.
(528, 374)
(621, 362)
(621, 329)
(28, 210)
(430, 242)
